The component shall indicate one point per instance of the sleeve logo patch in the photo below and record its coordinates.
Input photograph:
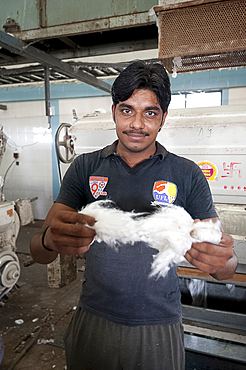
(97, 185)
(164, 192)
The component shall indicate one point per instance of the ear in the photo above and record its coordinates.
(113, 112)
(163, 120)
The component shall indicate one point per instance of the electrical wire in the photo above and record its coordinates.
(12, 144)
(5, 175)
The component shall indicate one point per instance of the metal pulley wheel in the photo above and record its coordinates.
(64, 144)
(9, 270)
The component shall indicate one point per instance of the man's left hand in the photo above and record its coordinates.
(218, 260)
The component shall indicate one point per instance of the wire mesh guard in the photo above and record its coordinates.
(203, 36)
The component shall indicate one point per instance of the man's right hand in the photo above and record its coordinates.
(67, 234)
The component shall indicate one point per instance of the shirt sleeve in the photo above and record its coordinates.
(200, 202)
(72, 188)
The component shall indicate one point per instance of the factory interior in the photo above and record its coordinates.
(58, 60)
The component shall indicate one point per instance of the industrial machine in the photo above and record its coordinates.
(13, 214)
(214, 138)
(9, 262)
(9, 229)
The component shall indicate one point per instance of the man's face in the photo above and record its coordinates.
(138, 121)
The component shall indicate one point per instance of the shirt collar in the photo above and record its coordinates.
(111, 149)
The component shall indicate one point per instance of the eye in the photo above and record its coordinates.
(126, 111)
(150, 114)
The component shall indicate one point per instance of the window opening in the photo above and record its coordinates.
(196, 99)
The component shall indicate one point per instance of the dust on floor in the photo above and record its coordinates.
(34, 317)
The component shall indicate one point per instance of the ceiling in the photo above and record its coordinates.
(66, 57)
(58, 52)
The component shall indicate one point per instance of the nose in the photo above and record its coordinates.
(137, 121)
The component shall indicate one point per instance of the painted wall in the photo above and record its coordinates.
(237, 96)
(25, 124)
(82, 107)
(31, 15)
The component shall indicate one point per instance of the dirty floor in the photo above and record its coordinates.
(34, 317)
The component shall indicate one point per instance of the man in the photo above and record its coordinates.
(126, 320)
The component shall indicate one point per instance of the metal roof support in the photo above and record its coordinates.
(19, 47)
(47, 94)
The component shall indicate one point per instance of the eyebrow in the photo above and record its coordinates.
(154, 107)
(125, 105)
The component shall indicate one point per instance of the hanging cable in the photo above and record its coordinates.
(5, 175)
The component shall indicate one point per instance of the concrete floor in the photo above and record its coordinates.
(37, 342)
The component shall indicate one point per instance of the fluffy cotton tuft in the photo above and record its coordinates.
(170, 230)
(113, 226)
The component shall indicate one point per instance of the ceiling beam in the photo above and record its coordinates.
(30, 52)
(68, 42)
(120, 47)
(17, 71)
(7, 57)
(95, 50)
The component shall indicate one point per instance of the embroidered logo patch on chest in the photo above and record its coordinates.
(97, 185)
(164, 192)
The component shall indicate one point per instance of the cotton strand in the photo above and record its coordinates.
(170, 230)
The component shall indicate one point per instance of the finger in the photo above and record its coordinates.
(71, 238)
(209, 254)
(211, 269)
(86, 219)
(196, 220)
(75, 218)
(78, 230)
(221, 250)
(226, 240)
(205, 258)
(74, 251)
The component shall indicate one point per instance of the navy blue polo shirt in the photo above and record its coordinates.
(117, 284)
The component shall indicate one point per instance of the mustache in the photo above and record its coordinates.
(137, 132)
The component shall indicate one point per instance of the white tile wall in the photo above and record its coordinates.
(26, 126)
(91, 139)
(82, 107)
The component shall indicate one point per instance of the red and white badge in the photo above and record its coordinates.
(97, 185)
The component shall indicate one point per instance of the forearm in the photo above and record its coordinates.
(38, 252)
(228, 271)
(66, 234)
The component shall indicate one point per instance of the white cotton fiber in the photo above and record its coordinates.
(112, 226)
(170, 230)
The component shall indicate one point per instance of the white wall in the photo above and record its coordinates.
(82, 107)
(237, 96)
(25, 124)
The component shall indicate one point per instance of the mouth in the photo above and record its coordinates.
(135, 135)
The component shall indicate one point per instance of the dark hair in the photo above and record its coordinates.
(142, 75)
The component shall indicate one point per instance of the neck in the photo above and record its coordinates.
(133, 158)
